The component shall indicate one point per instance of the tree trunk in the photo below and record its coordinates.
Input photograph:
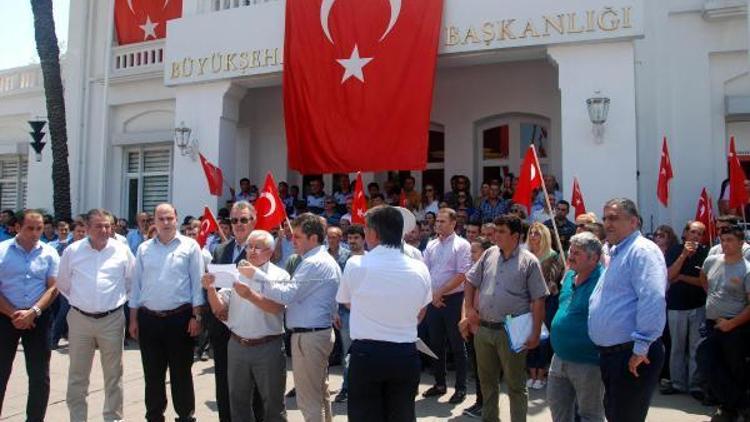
(49, 56)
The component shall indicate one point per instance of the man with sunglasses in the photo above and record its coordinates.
(242, 218)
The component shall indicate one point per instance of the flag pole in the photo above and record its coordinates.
(218, 225)
(549, 206)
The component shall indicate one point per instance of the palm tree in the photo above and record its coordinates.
(49, 57)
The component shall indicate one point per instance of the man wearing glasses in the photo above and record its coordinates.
(242, 217)
(255, 350)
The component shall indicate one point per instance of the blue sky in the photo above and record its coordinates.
(17, 47)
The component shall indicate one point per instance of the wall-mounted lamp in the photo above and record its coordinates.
(598, 107)
(188, 146)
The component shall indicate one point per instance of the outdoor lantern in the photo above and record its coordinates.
(598, 107)
(187, 145)
(37, 135)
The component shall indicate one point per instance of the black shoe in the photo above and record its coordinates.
(709, 401)
(292, 393)
(668, 390)
(341, 397)
(435, 391)
(698, 395)
(458, 397)
(475, 411)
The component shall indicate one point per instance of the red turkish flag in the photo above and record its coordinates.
(208, 226)
(359, 202)
(577, 198)
(358, 83)
(529, 178)
(144, 20)
(737, 192)
(214, 177)
(270, 208)
(705, 214)
(665, 175)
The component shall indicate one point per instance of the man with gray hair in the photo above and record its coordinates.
(242, 219)
(310, 300)
(627, 314)
(255, 356)
(95, 276)
(575, 380)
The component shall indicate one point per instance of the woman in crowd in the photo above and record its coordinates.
(539, 242)
(665, 237)
(429, 200)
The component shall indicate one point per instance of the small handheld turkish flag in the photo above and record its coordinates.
(359, 203)
(270, 208)
(144, 20)
(214, 176)
(737, 193)
(529, 178)
(577, 198)
(208, 226)
(359, 76)
(705, 214)
(665, 175)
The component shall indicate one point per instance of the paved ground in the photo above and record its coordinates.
(664, 409)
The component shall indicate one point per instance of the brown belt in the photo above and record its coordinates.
(250, 342)
(163, 314)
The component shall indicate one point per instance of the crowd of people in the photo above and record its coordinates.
(607, 315)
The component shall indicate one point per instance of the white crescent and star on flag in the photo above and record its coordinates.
(272, 201)
(148, 27)
(205, 224)
(354, 64)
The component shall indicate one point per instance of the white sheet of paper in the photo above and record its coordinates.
(422, 347)
(226, 275)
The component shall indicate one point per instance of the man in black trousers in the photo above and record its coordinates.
(166, 301)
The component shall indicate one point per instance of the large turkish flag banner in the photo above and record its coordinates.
(144, 20)
(358, 82)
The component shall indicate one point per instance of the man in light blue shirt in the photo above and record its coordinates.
(165, 302)
(627, 314)
(139, 234)
(310, 298)
(28, 273)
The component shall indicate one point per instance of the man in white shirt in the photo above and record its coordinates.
(95, 277)
(255, 352)
(387, 292)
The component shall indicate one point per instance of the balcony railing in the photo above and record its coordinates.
(138, 58)
(208, 6)
(20, 79)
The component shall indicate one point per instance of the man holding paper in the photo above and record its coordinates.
(510, 284)
(255, 355)
(242, 217)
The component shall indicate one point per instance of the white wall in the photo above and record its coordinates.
(683, 65)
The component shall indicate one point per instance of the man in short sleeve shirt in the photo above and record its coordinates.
(510, 283)
(28, 273)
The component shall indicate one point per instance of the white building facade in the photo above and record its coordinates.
(508, 72)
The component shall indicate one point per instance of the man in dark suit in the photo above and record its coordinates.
(242, 218)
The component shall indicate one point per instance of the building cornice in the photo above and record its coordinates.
(715, 10)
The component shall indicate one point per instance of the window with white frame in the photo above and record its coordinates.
(148, 172)
(502, 143)
(13, 171)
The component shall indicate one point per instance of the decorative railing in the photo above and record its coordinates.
(138, 58)
(208, 6)
(20, 79)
